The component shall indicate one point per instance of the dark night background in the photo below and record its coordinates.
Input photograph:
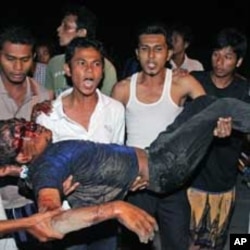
(117, 20)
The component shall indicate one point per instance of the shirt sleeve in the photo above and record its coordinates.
(119, 130)
(49, 170)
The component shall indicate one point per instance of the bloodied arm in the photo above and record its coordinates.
(128, 215)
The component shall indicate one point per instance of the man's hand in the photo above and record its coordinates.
(42, 107)
(41, 226)
(223, 128)
(139, 184)
(136, 220)
(180, 72)
(10, 170)
(69, 186)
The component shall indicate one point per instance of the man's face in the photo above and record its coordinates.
(224, 62)
(15, 61)
(43, 54)
(85, 70)
(67, 30)
(30, 137)
(179, 45)
(152, 53)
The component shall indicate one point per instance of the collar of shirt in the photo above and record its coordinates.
(58, 106)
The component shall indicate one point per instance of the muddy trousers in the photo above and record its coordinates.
(177, 151)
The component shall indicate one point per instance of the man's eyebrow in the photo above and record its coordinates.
(15, 57)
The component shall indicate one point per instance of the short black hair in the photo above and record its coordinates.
(231, 37)
(83, 42)
(155, 28)
(183, 30)
(17, 35)
(85, 18)
(8, 152)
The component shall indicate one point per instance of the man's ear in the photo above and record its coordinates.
(239, 62)
(170, 53)
(67, 70)
(81, 32)
(137, 54)
(186, 45)
(23, 158)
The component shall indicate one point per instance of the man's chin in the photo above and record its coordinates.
(150, 72)
(17, 81)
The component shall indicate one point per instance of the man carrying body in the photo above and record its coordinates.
(213, 188)
(153, 97)
(166, 164)
(83, 112)
(18, 94)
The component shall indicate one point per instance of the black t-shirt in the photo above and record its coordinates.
(218, 170)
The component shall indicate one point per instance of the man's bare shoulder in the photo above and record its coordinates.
(180, 75)
(187, 84)
(123, 83)
(120, 90)
(183, 77)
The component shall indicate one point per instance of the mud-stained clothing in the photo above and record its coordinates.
(217, 172)
(144, 122)
(210, 216)
(106, 171)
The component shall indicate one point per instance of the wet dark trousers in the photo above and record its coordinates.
(178, 150)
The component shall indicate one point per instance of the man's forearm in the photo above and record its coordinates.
(8, 226)
(132, 217)
(75, 219)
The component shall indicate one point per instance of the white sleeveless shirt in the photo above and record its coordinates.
(145, 121)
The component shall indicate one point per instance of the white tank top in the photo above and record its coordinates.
(145, 121)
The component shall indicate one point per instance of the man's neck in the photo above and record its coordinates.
(76, 103)
(16, 91)
(222, 82)
(178, 59)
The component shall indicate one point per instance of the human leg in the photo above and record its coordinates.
(177, 151)
(211, 215)
(174, 220)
